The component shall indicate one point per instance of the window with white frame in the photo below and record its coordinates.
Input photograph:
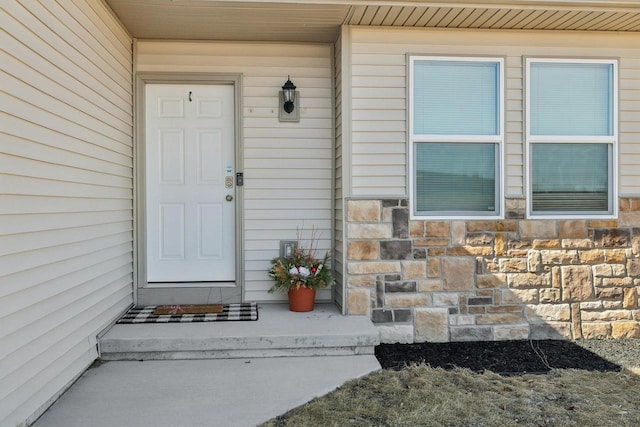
(456, 136)
(571, 136)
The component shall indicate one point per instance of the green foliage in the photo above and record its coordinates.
(302, 268)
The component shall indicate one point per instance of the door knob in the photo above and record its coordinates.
(229, 197)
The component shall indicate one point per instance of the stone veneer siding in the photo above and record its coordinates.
(476, 280)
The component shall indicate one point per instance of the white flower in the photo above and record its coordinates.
(304, 271)
(293, 271)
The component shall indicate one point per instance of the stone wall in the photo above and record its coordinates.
(461, 280)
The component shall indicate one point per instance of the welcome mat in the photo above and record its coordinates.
(189, 309)
(229, 312)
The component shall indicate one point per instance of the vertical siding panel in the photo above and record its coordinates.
(66, 268)
(287, 166)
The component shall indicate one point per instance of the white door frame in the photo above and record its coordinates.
(144, 293)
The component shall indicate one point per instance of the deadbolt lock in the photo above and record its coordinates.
(228, 182)
(229, 197)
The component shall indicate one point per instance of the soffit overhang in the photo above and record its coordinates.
(320, 20)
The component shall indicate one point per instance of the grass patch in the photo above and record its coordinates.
(423, 396)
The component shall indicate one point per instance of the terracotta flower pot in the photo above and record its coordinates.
(302, 299)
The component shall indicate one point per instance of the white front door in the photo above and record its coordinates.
(190, 183)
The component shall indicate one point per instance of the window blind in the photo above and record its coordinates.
(570, 177)
(455, 98)
(455, 177)
(571, 99)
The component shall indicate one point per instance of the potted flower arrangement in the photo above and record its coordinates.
(300, 275)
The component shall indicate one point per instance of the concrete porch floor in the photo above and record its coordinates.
(277, 332)
(218, 373)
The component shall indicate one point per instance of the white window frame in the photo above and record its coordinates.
(495, 139)
(611, 140)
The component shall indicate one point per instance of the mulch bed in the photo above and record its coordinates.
(503, 357)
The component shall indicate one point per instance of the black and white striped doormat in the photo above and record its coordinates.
(230, 312)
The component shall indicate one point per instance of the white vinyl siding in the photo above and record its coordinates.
(629, 124)
(66, 194)
(378, 126)
(339, 255)
(287, 166)
(379, 96)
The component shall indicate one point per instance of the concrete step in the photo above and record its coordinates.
(277, 333)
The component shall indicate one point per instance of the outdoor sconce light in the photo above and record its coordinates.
(289, 111)
(289, 95)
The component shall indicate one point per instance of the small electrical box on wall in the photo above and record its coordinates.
(287, 248)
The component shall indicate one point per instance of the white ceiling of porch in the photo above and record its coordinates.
(320, 20)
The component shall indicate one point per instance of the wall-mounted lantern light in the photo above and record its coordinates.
(289, 95)
(289, 102)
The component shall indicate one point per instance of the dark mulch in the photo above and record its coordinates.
(504, 357)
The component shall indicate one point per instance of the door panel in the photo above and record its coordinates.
(171, 157)
(210, 218)
(171, 231)
(210, 169)
(190, 190)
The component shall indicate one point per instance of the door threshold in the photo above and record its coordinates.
(190, 285)
(181, 294)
